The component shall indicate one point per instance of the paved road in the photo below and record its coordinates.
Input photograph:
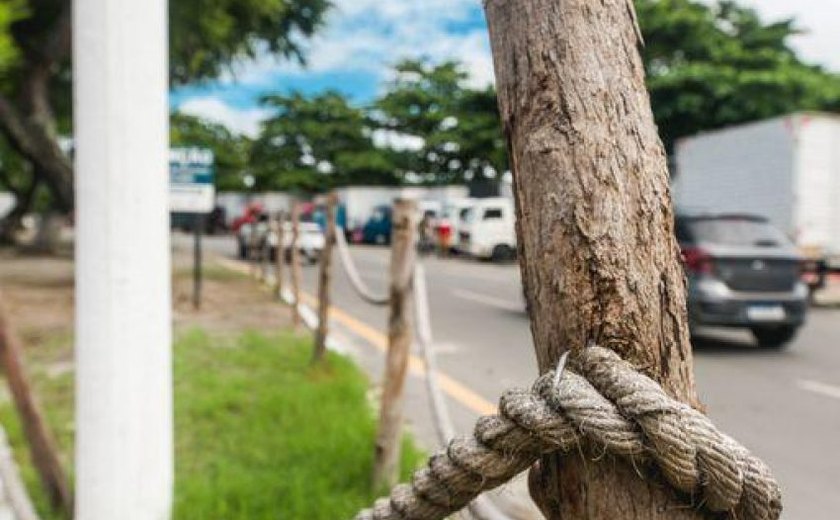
(784, 405)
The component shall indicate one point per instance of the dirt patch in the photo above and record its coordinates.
(38, 292)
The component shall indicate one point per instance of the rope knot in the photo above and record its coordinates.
(602, 400)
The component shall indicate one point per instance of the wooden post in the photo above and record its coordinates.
(253, 250)
(280, 256)
(324, 277)
(595, 225)
(42, 446)
(295, 265)
(198, 225)
(400, 336)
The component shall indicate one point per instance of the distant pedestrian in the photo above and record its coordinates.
(444, 232)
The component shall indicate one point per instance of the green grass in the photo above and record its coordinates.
(211, 271)
(260, 434)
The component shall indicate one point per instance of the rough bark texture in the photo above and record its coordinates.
(295, 267)
(400, 337)
(595, 226)
(324, 277)
(42, 447)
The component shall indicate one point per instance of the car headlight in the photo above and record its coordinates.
(713, 288)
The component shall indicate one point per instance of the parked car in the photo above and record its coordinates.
(377, 230)
(262, 237)
(785, 169)
(742, 272)
(311, 241)
(488, 230)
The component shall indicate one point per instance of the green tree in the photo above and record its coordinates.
(208, 37)
(316, 143)
(231, 151)
(10, 11)
(459, 126)
(713, 65)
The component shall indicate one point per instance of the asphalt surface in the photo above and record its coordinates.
(784, 405)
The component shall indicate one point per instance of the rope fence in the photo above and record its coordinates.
(364, 292)
(602, 402)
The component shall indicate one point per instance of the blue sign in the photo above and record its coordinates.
(191, 174)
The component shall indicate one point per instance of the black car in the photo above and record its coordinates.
(742, 272)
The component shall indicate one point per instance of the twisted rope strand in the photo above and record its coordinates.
(604, 401)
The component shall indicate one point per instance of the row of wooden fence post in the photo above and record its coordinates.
(400, 321)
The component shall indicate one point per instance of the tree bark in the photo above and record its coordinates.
(324, 278)
(30, 137)
(597, 251)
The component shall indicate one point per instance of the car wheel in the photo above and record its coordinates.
(503, 253)
(774, 337)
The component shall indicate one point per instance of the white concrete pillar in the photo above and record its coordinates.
(124, 448)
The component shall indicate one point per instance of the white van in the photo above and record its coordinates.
(488, 230)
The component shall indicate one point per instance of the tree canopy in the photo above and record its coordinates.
(715, 65)
(708, 65)
(459, 126)
(315, 143)
(229, 150)
(207, 38)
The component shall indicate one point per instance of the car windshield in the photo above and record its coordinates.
(737, 231)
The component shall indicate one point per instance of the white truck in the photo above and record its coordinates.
(786, 169)
(488, 230)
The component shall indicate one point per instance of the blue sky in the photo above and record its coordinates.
(363, 38)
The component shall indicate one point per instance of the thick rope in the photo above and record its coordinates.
(604, 402)
(363, 290)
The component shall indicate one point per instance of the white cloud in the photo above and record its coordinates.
(370, 35)
(245, 122)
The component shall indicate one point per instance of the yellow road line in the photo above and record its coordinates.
(454, 388)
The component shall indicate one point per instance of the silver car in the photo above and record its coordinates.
(742, 272)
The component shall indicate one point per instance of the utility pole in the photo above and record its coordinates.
(595, 225)
(324, 278)
(400, 337)
(124, 445)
